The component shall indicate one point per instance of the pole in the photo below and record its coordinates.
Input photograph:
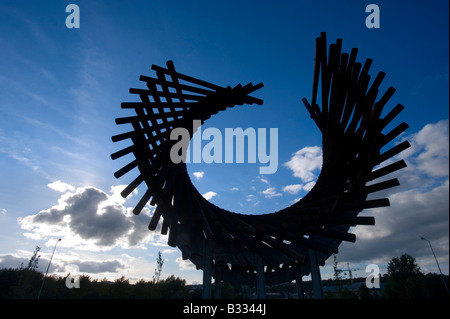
(260, 279)
(432, 250)
(48, 267)
(315, 274)
(207, 273)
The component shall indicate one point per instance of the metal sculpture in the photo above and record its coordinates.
(285, 245)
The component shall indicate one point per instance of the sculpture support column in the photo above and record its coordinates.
(315, 274)
(207, 272)
(260, 279)
(299, 281)
(217, 282)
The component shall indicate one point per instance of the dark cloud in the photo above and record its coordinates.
(16, 262)
(90, 223)
(10, 261)
(99, 267)
(92, 267)
(398, 228)
(92, 215)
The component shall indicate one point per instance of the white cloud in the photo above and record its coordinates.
(271, 192)
(305, 162)
(198, 175)
(308, 186)
(292, 189)
(434, 140)
(3, 212)
(168, 251)
(61, 186)
(185, 265)
(209, 195)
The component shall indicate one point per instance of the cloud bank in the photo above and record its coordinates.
(89, 218)
(419, 206)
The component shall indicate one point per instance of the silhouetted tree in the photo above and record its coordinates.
(120, 288)
(158, 270)
(34, 260)
(405, 280)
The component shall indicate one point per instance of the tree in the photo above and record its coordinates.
(34, 260)
(158, 270)
(405, 280)
(120, 288)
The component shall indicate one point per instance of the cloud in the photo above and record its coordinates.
(13, 261)
(185, 265)
(292, 189)
(97, 267)
(61, 186)
(271, 192)
(305, 162)
(296, 188)
(412, 214)
(198, 175)
(419, 206)
(308, 186)
(433, 139)
(100, 267)
(209, 195)
(89, 218)
(427, 159)
(19, 150)
(430, 82)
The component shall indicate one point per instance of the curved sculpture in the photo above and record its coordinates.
(278, 243)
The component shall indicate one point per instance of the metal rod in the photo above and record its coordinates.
(48, 267)
(432, 250)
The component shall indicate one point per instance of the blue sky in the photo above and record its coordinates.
(61, 90)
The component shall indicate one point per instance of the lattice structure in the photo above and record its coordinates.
(280, 245)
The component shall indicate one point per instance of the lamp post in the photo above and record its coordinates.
(432, 250)
(48, 267)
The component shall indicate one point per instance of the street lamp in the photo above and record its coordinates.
(48, 267)
(432, 250)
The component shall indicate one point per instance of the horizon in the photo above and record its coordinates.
(62, 89)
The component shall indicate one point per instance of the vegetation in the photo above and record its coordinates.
(23, 283)
(403, 280)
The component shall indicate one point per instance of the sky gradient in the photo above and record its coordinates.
(61, 90)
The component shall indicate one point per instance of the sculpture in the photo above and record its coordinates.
(288, 244)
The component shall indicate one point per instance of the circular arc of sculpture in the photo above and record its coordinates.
(352, 129)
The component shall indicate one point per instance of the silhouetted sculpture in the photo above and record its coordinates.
(285, 245)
